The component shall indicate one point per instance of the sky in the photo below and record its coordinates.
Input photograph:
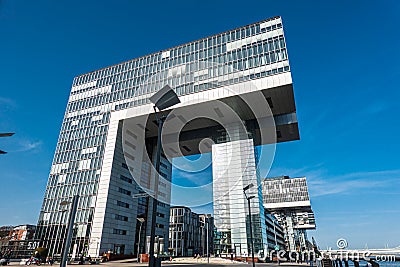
(344, 59)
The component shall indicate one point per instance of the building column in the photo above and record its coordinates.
(234, 167)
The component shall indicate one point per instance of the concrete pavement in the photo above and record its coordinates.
(184, 262)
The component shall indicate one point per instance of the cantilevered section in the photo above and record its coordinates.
(286, 193)
(288, 199)
(289, 194)
(280, 100)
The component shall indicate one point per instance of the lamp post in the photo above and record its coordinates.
(202, 236)
(5, 135)
(206, 225)
(71, 219)
(251, 225)
(141, 220)
(208, 251)
(276, 248)
(275, 232)
(164, 98)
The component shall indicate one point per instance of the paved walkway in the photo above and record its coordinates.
(190, 262)
(183, 262)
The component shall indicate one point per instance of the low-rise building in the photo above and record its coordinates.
(5, 235)
(19, 241)
(275, 234)
(22, 232)
(188, 232)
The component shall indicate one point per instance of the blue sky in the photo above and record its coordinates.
(344, 58)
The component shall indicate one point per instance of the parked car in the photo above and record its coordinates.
(4, 262)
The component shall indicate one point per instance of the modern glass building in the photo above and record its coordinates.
(236, 92)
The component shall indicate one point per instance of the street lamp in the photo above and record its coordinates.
(71, 219)
(5, 135)
(208, 250)
(276, 248)
(251, 225)
(164, 98)
(202, 236)
(141, 220)
(274, 221)
(206, 223)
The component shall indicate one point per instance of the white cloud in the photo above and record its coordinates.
(198, 179)
(375, 108)
(22, 145)
(26, 146)
(8, 101)
(321, 184)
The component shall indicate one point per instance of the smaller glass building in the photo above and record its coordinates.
(187, 232)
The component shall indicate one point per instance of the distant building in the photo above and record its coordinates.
(19, 240)
(184, 232)
(188, 232)
(288, 200)
(22, 232)
(275, 234)
(5, 230)
(5, 235)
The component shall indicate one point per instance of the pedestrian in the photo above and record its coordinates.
(49, 260)
(81, 260)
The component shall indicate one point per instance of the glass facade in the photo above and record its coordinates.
(255, 51)
(184, 232)
(132, 82)
(231, 173)
(282, 190)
